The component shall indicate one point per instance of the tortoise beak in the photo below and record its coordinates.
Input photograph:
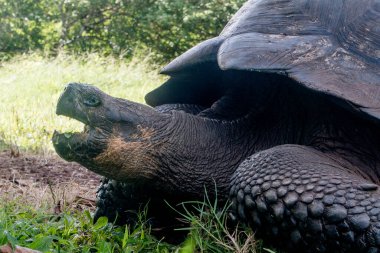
(68, 104)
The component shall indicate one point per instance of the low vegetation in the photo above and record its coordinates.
(68, 226)
(72, 231)
(71, 228)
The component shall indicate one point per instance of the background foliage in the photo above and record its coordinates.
(117, 27)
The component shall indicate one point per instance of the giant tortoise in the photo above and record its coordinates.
(281, 112)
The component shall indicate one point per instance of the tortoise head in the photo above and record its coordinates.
(131, 142)
(117, 133)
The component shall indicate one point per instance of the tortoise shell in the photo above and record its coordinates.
(328, 46)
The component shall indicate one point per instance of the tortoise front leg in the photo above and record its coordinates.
(123, 203)
(119, 202)
(298, 198)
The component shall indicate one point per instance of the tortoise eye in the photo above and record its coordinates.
(92, 101)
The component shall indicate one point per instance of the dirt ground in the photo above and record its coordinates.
(46, 181)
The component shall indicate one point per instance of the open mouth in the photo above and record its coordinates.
(90, 106)
(69, 144)
(59, 137)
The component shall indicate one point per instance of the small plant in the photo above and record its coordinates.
(209, 231)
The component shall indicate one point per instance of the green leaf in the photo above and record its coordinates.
(104, 246)
(188, 246)
(142, 236)
(42, 243)
(126, 237)
(101, 223)
(88, 216)
(11, 239)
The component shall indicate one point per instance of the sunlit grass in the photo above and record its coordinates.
(30, 86)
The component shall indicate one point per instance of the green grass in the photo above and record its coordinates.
(209, 232)
(73, 231)
(30, 86)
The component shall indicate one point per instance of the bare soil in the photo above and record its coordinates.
(41, 180)
(52, 170)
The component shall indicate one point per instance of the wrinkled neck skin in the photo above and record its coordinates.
(202, 153)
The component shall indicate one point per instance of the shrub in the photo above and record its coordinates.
(118, 27)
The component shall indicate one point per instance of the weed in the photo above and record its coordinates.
(209, 230)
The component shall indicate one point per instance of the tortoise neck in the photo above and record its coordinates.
(201, 153)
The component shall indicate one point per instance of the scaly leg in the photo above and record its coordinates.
(300, 199)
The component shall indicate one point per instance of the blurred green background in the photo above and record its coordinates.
(122, 28)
